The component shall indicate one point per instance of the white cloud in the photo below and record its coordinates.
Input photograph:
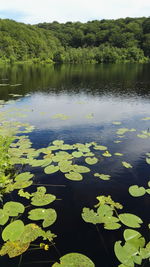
(73, 10)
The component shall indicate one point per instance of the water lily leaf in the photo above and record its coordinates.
(12, 208)
(13, 231)
(47, 215)
(116, 122)
(130, 220)
(107, 154)
(22, 184)
(134, 238)
(121, 131)
(25, 176)
(48, 235)
(58, 142)
(102, 176)
(74, 176)
(40, 198)
(126, 164)
(3, 217)
(80, 168)
(136, 191)
(65, 167)
(118, 154)
(67, 147)
(91, 161)
(148, 191)
(117, 141)
(97, 147)
(142, 136)
(14, 249)
(31, 233)
(90, 216)
(21, 193)
(145, 252)
(51, 169)
(148, 160)
(123, 255)
(77, 154)
(74, 260)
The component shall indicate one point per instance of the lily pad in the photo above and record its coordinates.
(47, 215)
(107, 154)
(98, 147)
(80, 169)
(118, 154)
(74, 176)
(91, 161)
(77, 154)
(102, 176)
(137, 191)
(31, 233)
(130, 220)
(58, 142)
(12, 208)
(3, 217)
(13, 231)
(40, 198)
(74, 260)
(25, 176)
(51, 169)
(126, 164)
(14, 249)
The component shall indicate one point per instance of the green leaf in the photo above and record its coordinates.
(126, 164)
(12, 208)
(135, 238)
(91, 161)
(136, 191)
(74, 176)
(118, 154)
(22, 184)
(51, 169)
(90, 216)
(40, 198)
(130, 220)
(13, 231)
(122, 255)
(74, 260)
(107, 154)
(47, 215)
(31, 233)
(14, 249)
(80, 169)
(77, 154)
(116, 122)
(102, 176)
(98, 147)
(25, 176)
(148, 160)
(58, 142)
(145, 252)
(3, 217)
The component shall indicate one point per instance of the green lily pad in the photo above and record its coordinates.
(102, 176)
(58, 142)
(74, 176)
(143, 136)
(107, 154)
(80, 169)
(47, 215)
(14, 249)
(130, 220)
(148, 160)
(31, 233)
(74, 260)
(90, 216)
(3, 217)
(77, 154)
(146, 119)
(13, 231)
(25, 176)
(12, 208)
(40, 198)
(51, 169)
(98, 147)
(118, 154)
(91, 161)
(116, 122)
(126, 164)
(22, 184)
(137, 191)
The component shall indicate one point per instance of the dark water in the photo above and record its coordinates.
(110, 93)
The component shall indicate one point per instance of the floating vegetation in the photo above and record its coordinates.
(116, 122)
(90, 116)
(107, 154)
(138, 191)
(60, 116)
(102, 176)
(74, 260)
(126, 164)
(122, 131)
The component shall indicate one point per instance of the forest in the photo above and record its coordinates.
(97, 41)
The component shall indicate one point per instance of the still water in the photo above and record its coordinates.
(91, 97)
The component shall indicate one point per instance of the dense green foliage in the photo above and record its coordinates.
(96, 41)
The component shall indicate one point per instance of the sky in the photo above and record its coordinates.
(36, 11)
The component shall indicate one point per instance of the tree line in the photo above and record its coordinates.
(98, 41)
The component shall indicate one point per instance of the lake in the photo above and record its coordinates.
(81, 104)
